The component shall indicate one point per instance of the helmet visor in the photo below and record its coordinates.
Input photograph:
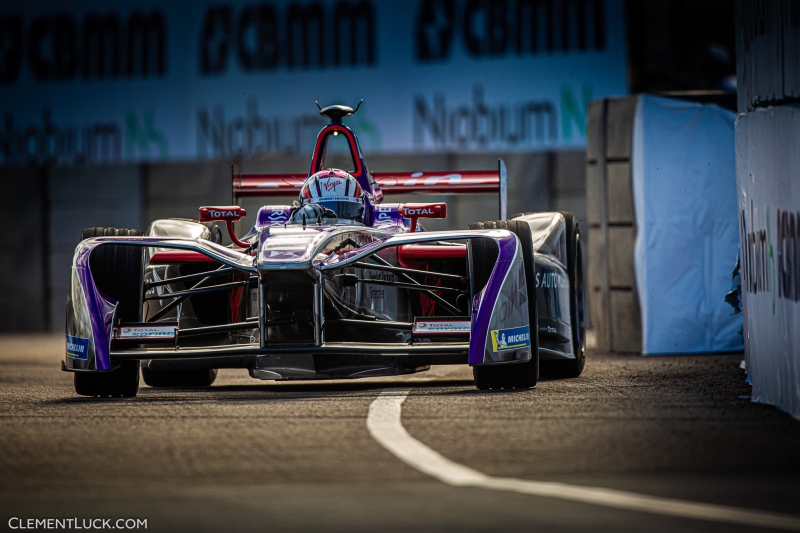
(345, 208)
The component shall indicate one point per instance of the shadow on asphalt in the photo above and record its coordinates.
(283, 391)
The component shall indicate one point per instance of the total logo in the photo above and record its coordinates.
(145, 332)
(418, 212)
(223, 214)
(439, 326)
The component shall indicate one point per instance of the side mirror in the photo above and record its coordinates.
(223, 213)
(416, 211)
(228, 214)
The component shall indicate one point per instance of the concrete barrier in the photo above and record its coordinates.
(612, 294)
(24, 244)
(768, 168)
(82, 197)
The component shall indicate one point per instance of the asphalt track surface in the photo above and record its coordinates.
(246, 455)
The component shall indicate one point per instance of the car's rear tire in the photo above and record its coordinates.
(572, 368)
(117, 272)
(507, 375)
(179, 378)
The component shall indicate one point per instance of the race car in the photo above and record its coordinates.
(340, 284)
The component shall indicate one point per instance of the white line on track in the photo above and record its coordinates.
(383, 423)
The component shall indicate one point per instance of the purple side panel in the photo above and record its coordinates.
(101, 310)
(273, 215)
(483, 305)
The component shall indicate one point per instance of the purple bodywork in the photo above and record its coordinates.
(486, 315)
(501, 304)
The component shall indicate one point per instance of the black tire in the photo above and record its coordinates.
(483, 256)
(184, 378)
(122, 382)
(179, 378)
(572, 368)
(117, 271)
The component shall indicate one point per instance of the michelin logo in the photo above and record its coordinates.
(511, 339)
(77, 348)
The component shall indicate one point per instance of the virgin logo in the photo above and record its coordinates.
(331, 185)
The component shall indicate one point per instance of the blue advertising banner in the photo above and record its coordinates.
(150, 81)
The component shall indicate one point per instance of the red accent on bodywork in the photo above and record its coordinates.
(467, 181)
(413, 255)
(438, 210)
(227, 213)
(267, 184)
(426, 303)
(327, 131)
(232, 234)
(464, 181)
(162, 258)
(235, 300)
(415, 211)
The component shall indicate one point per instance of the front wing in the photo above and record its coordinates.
(499, 323)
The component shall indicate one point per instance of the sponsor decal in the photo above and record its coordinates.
(377, 294)
(161, 331)
(330, 184)
(383, 276)
(418, 212)
(286, 254)
(429, 326)
(247, 37)
(77, 348)
(383, 212)
(225, 214)
(333, 199)
(438, 124)
(511, 339)
(215, 213)
(550, 279)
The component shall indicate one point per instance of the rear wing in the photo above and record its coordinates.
(448, 182)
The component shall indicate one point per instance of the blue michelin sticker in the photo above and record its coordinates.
(77, 348)
(511, 339)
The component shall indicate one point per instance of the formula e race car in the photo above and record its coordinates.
(337, 285)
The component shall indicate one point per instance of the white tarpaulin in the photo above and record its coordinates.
(684, 189)
(768, 164)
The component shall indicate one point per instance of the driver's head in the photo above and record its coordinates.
(337, 191)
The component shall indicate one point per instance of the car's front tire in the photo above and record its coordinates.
(507, 375)
(117, 272)
(122, 382)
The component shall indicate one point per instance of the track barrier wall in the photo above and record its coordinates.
(662, 214)
(768, 176)
(768, 161)
(611, 291)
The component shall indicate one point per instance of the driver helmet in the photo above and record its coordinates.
(337, 191)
